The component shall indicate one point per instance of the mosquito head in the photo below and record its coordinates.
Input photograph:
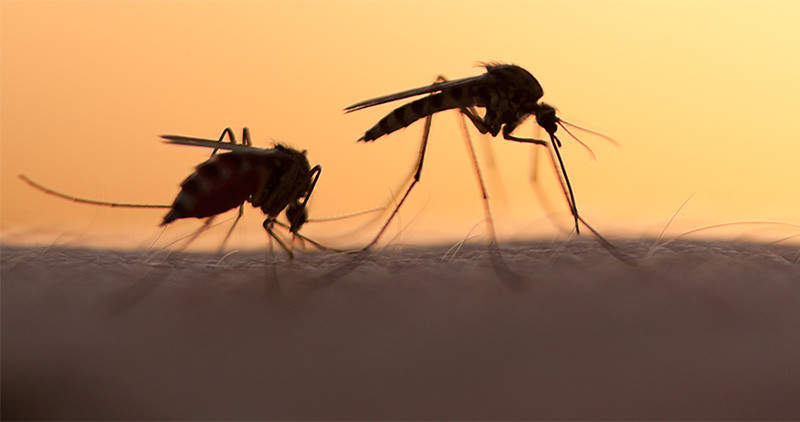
(546, 117)
(297, 214)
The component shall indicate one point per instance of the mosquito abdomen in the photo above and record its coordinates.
(423, 107)
(222, 183)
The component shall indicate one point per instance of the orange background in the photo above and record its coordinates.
(703, 97)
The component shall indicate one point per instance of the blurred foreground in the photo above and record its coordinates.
(695, 331)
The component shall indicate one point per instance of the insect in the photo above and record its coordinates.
(278, 179)
(508, 93)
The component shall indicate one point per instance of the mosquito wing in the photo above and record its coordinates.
(210, 143)
(438, 86)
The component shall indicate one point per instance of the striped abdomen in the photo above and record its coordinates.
(222, 183)
(405, 115)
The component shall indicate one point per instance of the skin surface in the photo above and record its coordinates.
(694, 331)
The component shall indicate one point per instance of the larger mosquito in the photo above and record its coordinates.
(508, 93)
(273, 179)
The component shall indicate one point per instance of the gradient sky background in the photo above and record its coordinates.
(703, 96)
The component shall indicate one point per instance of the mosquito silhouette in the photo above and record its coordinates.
(508, 93)
(276, 180)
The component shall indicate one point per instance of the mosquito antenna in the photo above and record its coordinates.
(593, 132)
(594, 158)
(571, 199)
(86, 201)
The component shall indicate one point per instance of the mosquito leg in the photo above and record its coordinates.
(571, 197)
(309, 240)
(316, 171)
(477, 121)
(508, 136)
(300, 217)
(245, 141)
(508, 128)
(534, 175)
(484, 195)
(613, 250)
(228, 131)
(417, 174)
(233, 226)
(483, 128)
(197, 232)
(536, 186)
(268, 227)
(245, 137)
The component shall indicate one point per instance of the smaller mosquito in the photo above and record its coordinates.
(273, 179)
(508, 93)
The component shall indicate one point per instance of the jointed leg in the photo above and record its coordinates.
(483, 128)
(484, 195)
(613, 250)
(268, 227)
(414, 180)
(507, 129)
(206, 225)
(316, 171)
(573, 207)
(309, 240)
(228, 131)
(246, 141)
(233, 226)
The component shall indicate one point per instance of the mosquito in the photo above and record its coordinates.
(508, 93)
(278, 179)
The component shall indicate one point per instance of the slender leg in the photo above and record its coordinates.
(206, 225)
(316, 171)
(566, 189)
(233, 226)
(571, 197)
(415, 179)
(227, 131)
(484, 195)
(268, 227)
(509, 128)
(506, 275)
(232, 138)
(245, 141)
(556, 143)
(477, 121)
(483, 128)
(246, 136)
(535, 181)
(309, 240)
